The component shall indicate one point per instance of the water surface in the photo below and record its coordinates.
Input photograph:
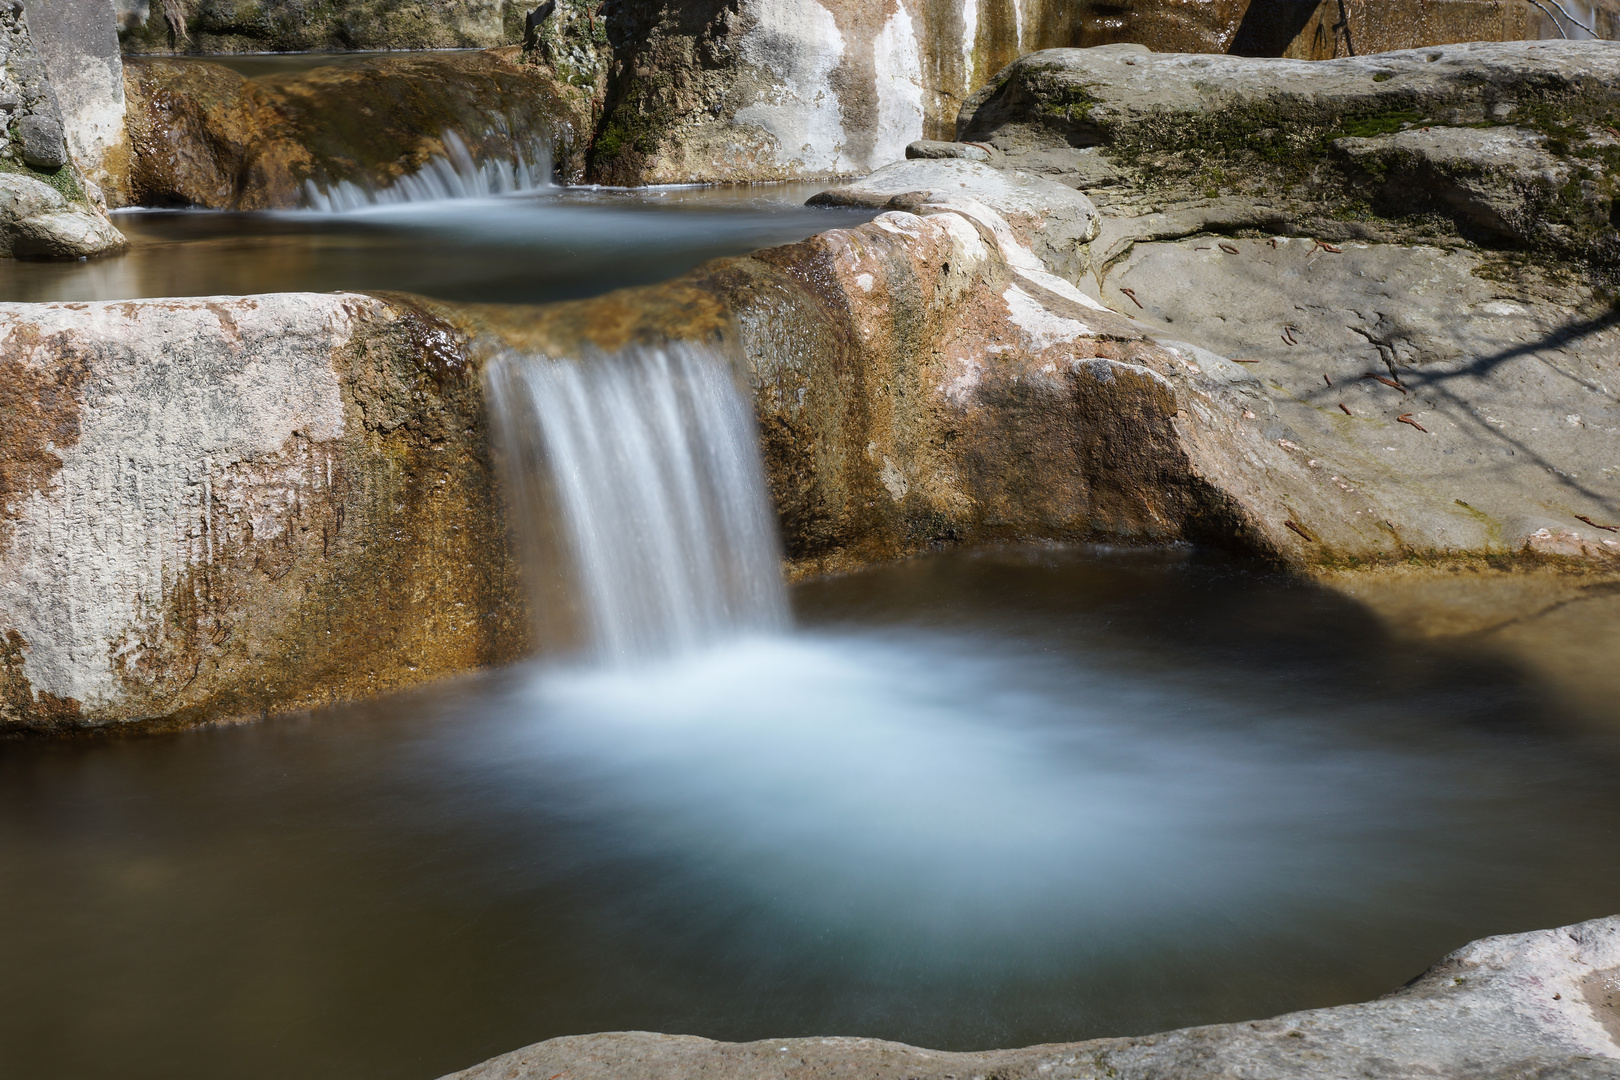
(976, 800)
(552, 244)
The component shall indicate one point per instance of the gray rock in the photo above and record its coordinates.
(37, 221)
(926, 149)
(77, 42)
(42, 142)
(1056, 221)
(1533, 1006)
(1500, 180)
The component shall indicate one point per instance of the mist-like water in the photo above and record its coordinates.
(457, 174)
(646, 466)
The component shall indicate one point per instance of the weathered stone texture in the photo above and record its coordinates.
(246, 26)
(217, 508)
(47, 206)
(78, 44)
(1538, 1005)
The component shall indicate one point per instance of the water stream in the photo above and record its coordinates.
(654, 477)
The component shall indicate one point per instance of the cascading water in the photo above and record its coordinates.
(458, 174)
(639, 482)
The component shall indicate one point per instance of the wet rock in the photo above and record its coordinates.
(202, 135)
(219, 507)
(1540, 1004)
(41, 142)
(930, 149)
(249, 26)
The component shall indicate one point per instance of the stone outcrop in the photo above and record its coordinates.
(1544, 1004)
(78, 45)
(203, 135)
(1385, 242)
(216, 508)
(48, 209)
(248, 26)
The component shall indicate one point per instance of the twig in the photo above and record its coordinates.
(1345, 409)
(1566, 14)
(1326, 247)
(1229, 249)
(1406, 418)
(1243, 360)
(1326, 379)
(1132, 294)
(1385, 380)
(1595, 525)
(1300, 530)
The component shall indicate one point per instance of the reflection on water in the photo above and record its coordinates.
(547, 245)
(976, 800)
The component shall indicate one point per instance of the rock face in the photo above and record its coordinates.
(202, 135)
(78, 44)
(1324, 222)
(47, 208)
(1542, 1004)
(218, 508)
(246, 26)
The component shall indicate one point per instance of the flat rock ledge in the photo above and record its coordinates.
(1540, 1005)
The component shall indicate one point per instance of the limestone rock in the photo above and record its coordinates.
(45, 206)
(78, 45)
(248, 26)
(42, 142)
(202, 135)
(930, 149)
(1541, 1004)
(1510, 138)
(1055, 221)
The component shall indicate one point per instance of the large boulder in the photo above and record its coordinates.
(250, 26)
(1545, 1004)
(215, 508)
(203, 135)
(78, 44)
(48, 207)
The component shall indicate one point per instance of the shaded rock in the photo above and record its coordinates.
(41, 141)
(929, 149)
(202, 135)
(1055, 221)
(1502, 181)
(248, 26)
(1540, 1004)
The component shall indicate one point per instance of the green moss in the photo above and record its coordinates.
(1385, 123)
(61, 179)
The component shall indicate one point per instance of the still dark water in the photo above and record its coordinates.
(551, 244)
(975, 800)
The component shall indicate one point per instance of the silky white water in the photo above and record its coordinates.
(640, 476)
(457, 174)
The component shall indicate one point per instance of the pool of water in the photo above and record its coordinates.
(973, 800)
(553, 244)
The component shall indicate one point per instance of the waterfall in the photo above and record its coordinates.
(642, 498)
(457, 174)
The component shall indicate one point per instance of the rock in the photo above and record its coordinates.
(37, 221)
(202, 135)
(929, 149)
(1503, 181)
(42, 142)
(45, 206)
(78, 44)
(1509, 136)
(1545, 1004)
(218, 507)
(1055, 221)
(250, 26)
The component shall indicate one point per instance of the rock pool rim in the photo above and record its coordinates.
(1508, 1007)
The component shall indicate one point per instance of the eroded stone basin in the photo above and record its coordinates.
(976, 800)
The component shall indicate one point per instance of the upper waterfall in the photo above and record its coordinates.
(456, 174)
(642, 496)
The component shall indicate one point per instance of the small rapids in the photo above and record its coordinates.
(457, 174)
